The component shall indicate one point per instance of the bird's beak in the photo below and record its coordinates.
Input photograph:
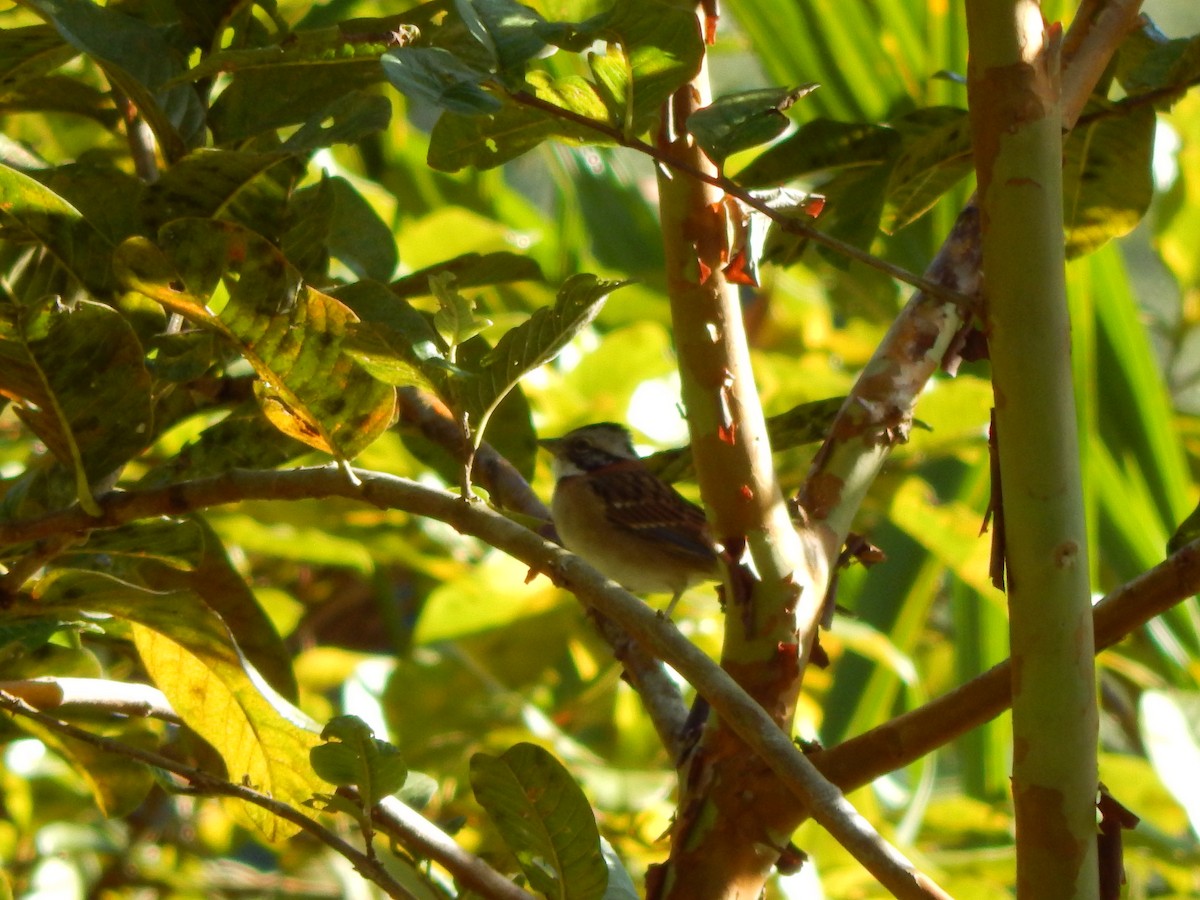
(551, 444)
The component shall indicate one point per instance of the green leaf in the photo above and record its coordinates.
(544, 818)
(934, 156)
(118, 784)
(418, 789)
(512, 32)
(471, 270)
(394, 342)
(437, 76)
(293, 335)
(347, 120)
(390, 357)
(854, 204)
(533, 343)
(290, 84)
(186, 554)
(1107, 178)
(244, 439)
(360, 239)
(1187, 531)
(77, 374)
(620, 884)
(741, 121)
(654, 49)
(29, 211)
(820, 146)
(486, 141)
(308, 228)
(29, 53)
(57, 93)
(1150, 63)
(105, 195)
(455, 320)
(352, 755)
(248, 188)
(190, 655)
(138, 59)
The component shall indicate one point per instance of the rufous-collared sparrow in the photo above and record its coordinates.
(629, 524)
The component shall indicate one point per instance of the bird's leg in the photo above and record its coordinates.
(666, 613)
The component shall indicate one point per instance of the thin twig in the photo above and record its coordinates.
(139, 136)
(205, 782)
(406, 826)
(733, 189)
(506, 488)
(419, 836)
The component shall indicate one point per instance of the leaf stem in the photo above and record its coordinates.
(733, 189)
(205, 782)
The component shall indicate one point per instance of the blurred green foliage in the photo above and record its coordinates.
(253, 297)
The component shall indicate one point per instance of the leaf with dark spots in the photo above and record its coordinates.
(308, 385)
(32, 213)
(77, 377)
(250, 189)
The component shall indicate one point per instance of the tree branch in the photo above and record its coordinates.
(504, 484)
(94, 694)
(367, 866)
(659, 694)
(910, 736)
(849, 765)
(926, 334)
(416, 833)
(743, 715)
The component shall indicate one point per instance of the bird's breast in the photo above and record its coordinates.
(636, 562)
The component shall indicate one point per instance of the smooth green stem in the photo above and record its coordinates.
(1013, 83)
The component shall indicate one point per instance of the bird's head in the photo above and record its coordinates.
(589, 448)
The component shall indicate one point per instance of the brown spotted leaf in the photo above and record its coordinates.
(224, 277)
(76, 374)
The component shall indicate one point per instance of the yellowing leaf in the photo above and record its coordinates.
(308, 386)
(193, 659)
(214, 695)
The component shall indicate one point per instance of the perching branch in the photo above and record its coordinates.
(742, 714)
(659, 694)
(850, 765)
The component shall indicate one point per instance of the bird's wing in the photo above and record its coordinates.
(639, 502)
